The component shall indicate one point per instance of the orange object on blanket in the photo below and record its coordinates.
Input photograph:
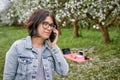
(76, 57)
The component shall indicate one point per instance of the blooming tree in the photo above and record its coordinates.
(103, 13)
(19, 11)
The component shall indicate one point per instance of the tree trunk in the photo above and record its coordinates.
(105, 34)
(59, 27)
(76, 28)
(88, 27)
(59, 24)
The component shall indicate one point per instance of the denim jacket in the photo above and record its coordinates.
(21, 61)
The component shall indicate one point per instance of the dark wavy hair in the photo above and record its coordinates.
(35, 19)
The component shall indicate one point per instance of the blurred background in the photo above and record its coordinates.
(91, 26)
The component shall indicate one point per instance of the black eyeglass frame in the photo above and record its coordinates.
(46, 25)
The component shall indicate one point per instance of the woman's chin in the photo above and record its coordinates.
(47, 37)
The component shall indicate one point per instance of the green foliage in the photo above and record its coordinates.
(106, 57)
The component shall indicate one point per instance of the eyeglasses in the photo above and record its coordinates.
(47, 25)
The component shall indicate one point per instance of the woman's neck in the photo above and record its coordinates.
(37, 42)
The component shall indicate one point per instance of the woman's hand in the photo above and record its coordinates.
(53, 44)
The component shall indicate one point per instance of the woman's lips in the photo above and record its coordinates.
(48, 33)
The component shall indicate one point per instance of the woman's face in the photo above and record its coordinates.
(45, 28)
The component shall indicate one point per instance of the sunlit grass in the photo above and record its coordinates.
(106, 57)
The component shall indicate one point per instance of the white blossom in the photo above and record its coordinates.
(103, 23)
(77, 9)
(73, 20)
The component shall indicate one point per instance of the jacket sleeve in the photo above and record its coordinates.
(61, 66)
(10, 64)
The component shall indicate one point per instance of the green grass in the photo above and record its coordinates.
(106, 57)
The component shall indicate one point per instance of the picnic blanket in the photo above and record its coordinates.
(76, 57)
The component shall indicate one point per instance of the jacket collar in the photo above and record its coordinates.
(28, 43)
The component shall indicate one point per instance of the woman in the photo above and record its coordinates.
(37, 56)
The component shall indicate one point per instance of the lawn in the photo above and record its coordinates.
(106, 57)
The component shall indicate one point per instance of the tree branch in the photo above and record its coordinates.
(110, 10)
(112, 21)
